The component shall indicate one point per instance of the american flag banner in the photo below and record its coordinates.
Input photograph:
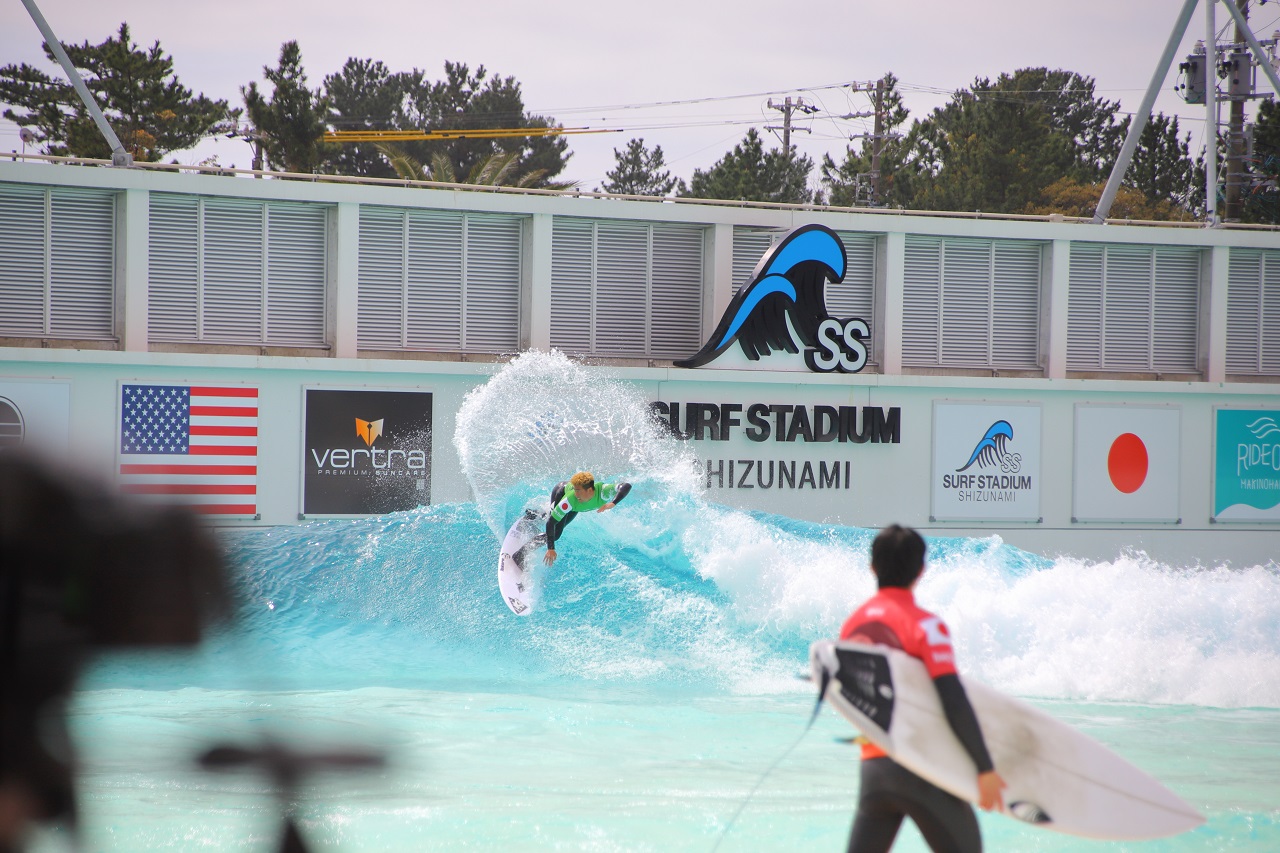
(193, 444)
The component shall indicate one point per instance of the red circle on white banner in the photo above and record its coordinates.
(1127, 463)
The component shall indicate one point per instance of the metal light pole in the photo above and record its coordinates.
(119, 156)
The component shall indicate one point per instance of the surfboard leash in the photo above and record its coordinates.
(817, 706)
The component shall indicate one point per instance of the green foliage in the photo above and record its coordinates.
(151, 112)
(464, 100)
(1262, 195)
(365, 95)
(1069, 197)
(1162, 169)
(749, 173)
(291, 123)
(640, 171)
(499, 170)
(841, 182)
(997, 146)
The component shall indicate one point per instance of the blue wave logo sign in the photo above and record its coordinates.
(784, 308)
(1247, 465)
(992, 450)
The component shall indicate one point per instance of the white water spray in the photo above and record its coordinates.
(542, 418)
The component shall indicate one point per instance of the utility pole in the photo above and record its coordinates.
(787, 107)
(1239, 87)
(877, 143)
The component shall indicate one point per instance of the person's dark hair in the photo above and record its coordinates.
(897, 556)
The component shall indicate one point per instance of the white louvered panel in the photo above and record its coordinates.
(1244, 311)
(296, 274)
(1084, 308)
(381, 313)
(173, 286)
(572, 280)
(492, 284)
(622, 289)
(966, 303)
(1269, 330)
(921, 301)
(676, 291)
(855, 296)
(23, 246)
(232, 288)
(434, 281)
(1176, 310)
(1015, 319)
(1127, 303)
(749, 246)
(82, 265)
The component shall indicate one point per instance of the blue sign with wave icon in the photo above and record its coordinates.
(1246, 481)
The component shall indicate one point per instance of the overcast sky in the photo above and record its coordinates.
(598, 64)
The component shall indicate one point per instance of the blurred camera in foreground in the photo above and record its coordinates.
(82, 569)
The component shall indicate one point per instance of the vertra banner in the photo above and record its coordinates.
(365, 452)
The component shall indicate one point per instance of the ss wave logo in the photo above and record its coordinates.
(993, 450)
(786, 300)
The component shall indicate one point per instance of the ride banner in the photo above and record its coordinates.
(365, 452)
(986, 462)
(1246, 467)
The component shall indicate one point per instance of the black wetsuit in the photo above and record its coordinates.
(890, 793)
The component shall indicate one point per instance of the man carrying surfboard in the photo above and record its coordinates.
(889, 792)
(584, 494)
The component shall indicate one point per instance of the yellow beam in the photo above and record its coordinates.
(474, 133)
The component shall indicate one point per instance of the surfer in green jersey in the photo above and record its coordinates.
(584, 494)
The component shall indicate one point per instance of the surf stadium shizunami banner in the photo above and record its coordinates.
(1246, 470)
(365, 452)
(1126, 463)
(770, 424)
(986, 462)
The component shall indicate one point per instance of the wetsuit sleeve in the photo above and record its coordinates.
(623, 489)
(552, 521)
(955, 703)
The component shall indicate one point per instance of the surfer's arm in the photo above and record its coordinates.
(960, 716)
(955, 704)
(618, 495)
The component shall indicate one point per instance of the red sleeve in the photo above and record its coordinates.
(932, 643)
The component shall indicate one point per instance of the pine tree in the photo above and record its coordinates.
(466, 100)
(149, 110)
(1262, 195)
(1162, 169)
(997, 146)
(365, 95)
(749, 173)
(640, 172)
(291, 124)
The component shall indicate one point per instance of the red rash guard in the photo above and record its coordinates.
(891, 618)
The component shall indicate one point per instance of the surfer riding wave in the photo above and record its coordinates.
(584, 494)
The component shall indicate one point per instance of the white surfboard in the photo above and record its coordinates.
(515, 580)
(1058, 778)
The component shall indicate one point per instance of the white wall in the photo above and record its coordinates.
(890, 482)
